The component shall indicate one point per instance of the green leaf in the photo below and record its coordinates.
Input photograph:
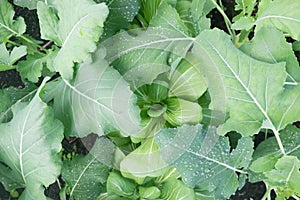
(31, 4)
(175, 189)
(251, 91)
(9, 96)
(245, 6)
(97, 101)
(116, 184)
(269, 45)
(121, 13)
(181, 112)
(9, 26)
(29, 146)
(285, 177)
(85, 175)
(267, 153)
(149, 192)
(243, 23)
(31, 68)
(76, 35)
(7, 59)
(203, 158)
(283, 17)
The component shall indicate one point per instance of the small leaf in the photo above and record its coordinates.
(33, 125)
(7, 59)
(149, 192)
(76, 35)
(9, 26)
(116, 184)
(203, 158)
(85, 175)
(31, 4)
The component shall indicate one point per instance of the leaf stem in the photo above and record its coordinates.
(276, 133)
(226, 19)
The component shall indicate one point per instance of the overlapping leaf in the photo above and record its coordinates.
(31, 4)
(253, 90)
(9, 26)
(98, 101)
(29, 146)
(204, 159)
(7, 59)
(76, 35)
(85, 175)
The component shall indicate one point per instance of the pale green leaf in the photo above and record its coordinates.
(269, 45)
(7, 59)
(116, 184)
(243, 23)
(149, 192)
(76, 35)
(246, 7)
(98, 101)
(30, 4)
(203, 158)
(175, 189)
(284, 15)
(251, 90)
(86, 175)
(8, 25)
(29, 146)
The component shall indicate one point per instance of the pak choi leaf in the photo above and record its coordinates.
(8, 25)
(252, 90)
(7, 59)
(33, 129)
(75, 26)
(174, 189)
(203, 158)
(269, 45)
(97, 101)
(85, 175)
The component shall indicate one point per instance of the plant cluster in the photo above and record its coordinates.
(175, 105)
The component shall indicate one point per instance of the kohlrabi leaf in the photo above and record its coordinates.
(97, 101)
(9, 96)
(251, 91)
(121, 13)
(8, 25)
(75, 26)
(31, 68)
(245, 7)
(175, 189)
(285, 178)
(7, 59)
(29, 144)
(267, 153)
(284, 15)
(269, 45)
(203, 158)
(118, 185)
(85, 175)
(30, 4)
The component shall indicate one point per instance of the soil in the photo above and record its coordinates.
(253, 191)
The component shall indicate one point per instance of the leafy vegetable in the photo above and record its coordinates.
(7, 59)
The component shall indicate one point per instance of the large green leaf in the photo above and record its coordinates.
(252, 90)
(9, 26)
(75, 26)
(121, 13)
(7, 59)
(97, 101)
(286, 18)
(29, 145)
(203, 159)
(85, 175)
(269, 45)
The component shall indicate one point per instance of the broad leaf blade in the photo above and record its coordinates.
(76, 35)
(33, 129)
(98, 101)
(85, 175)
(252, 90)
(9, 26)
(284, 15)
(269, 45)
(204, 159)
